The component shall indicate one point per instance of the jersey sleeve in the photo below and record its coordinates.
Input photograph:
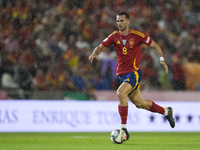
(108, 41)
(146, 40)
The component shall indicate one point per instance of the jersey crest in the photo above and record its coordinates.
(131, 43)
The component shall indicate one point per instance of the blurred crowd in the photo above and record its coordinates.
(44, 45)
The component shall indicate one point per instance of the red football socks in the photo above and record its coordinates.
(157, 108)
(123, 112)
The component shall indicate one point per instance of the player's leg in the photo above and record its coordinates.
(122, 92)
(137, 99)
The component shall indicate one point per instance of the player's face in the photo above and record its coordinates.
(122, 22)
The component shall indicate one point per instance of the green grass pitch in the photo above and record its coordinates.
(100, 141)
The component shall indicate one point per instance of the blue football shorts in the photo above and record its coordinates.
(133, 78)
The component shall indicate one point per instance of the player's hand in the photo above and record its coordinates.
(165, 66)
(92, 57)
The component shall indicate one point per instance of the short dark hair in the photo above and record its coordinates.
(124, 13)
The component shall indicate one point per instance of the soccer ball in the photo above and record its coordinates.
(118, 136)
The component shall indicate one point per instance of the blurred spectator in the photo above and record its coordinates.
(101, 83)
(65, 82)
(81, 44)
(79, 83)
(192, 71)
(63, 44)
(15, 55)
(178, 82)
(108, 68)
(54, 46)
(9, 84)
(57, 33)
(52, 78)
(39, 81)
(2, 44)
(11, 43)
(71, 41)
(149, 74)
(8, 81)
(73, 58)
(42, 44)
(23, 76)
(109, 64)
(28, 57)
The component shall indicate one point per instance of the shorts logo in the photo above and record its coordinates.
(131, 43)
(127, 80)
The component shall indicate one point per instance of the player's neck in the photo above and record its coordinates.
(125, 32)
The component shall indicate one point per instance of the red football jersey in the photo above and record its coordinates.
(128, 49)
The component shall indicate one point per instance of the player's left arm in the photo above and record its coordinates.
(160, 54)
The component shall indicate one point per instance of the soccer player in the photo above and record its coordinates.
(127, 43)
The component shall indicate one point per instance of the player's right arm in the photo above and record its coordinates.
(96, 52)
(104, 44)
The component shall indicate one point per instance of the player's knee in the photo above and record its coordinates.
(139, 105)
(122, 97)
(120, 94)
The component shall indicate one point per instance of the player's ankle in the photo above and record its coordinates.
(123, 126)
(166, 112)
